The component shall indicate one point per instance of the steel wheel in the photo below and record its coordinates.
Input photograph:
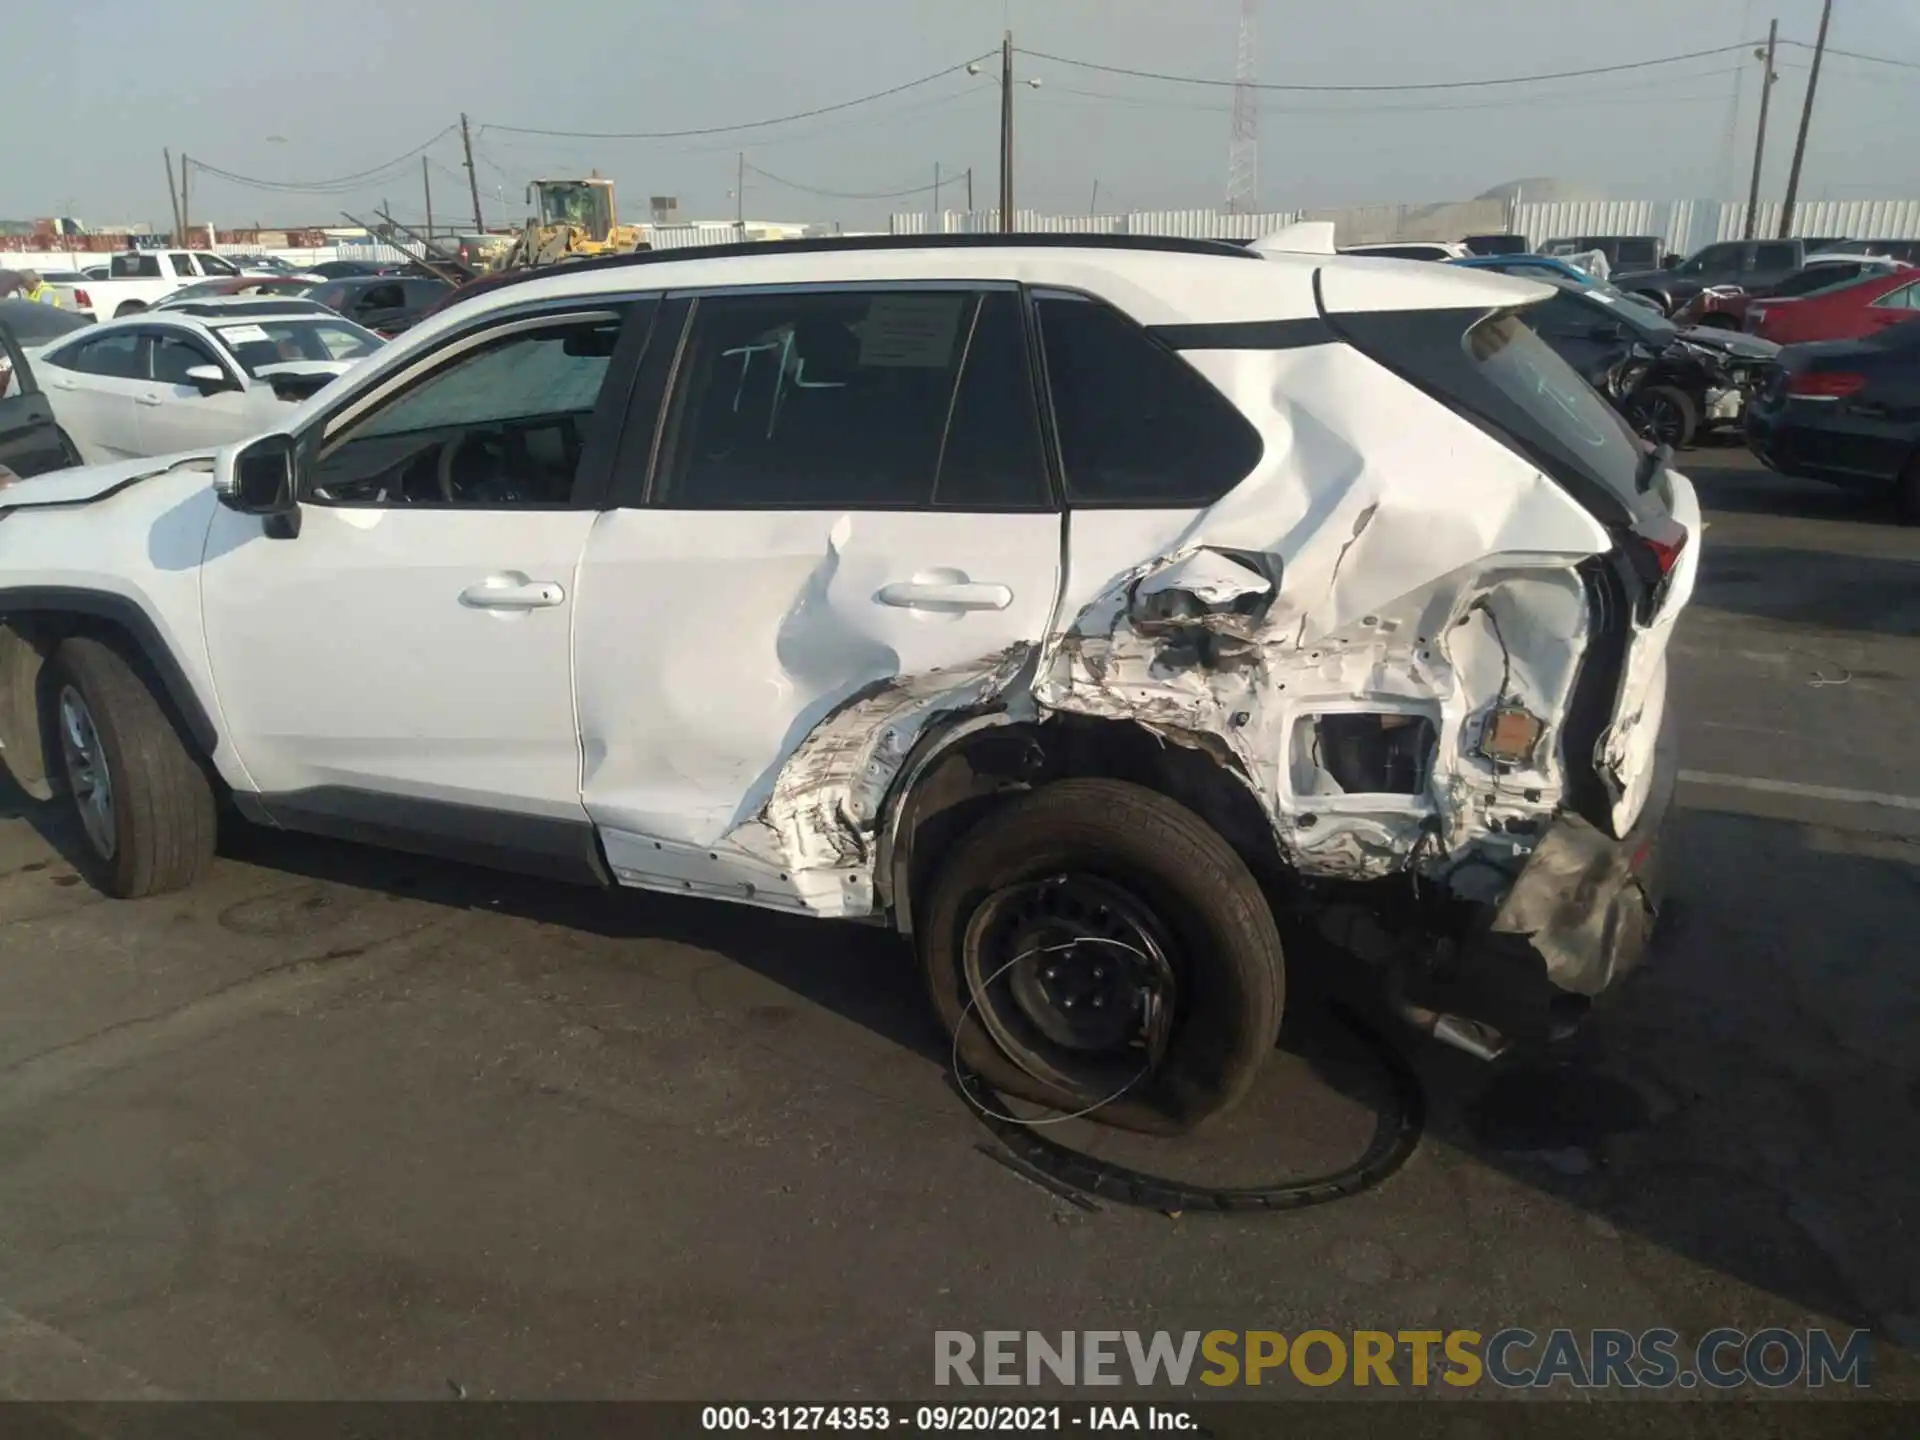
(1074, 979)
(88, 776)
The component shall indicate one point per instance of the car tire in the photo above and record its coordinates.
(1100, 859)
(145, 808)
(1660, 412)
(1906, 492)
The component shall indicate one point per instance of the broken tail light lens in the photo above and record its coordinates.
(1824, 384)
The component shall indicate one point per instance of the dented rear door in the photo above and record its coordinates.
(848, 528)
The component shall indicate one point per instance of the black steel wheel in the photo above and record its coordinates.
(1098, 948)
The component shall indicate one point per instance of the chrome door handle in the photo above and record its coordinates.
(148, 400)
(946, 595)
(513, 592)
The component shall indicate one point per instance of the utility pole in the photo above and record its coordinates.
(740, 193)
(173, 200)
(1093, 205)
(426, 184)
(1767, 77)
(969, 189)
(473, 179)
(1006, 133)
(186, 223)
(1806, 119)
(936, 187)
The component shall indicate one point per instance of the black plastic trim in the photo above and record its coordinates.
(653, 380)
(1247, 335)
(139, 626)
(538, 845)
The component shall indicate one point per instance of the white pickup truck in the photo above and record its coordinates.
(140, 279)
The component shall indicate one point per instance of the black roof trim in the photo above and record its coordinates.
(1172, 244)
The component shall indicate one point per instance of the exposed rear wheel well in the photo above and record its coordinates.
(28, 638)
(978, 773)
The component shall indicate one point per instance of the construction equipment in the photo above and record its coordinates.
(572, 220)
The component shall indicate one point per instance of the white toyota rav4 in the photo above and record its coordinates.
(1072, 605)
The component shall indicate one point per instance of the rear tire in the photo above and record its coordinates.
(145, 808)
(1155, 875)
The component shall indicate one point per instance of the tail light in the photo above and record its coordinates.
(1824, 384)
(82, 299)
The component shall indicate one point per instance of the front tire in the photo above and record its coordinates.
(1664, 414)
(145, 808)
(1119, 957)
(1906, 493)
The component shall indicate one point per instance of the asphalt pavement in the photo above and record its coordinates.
(343, 1123)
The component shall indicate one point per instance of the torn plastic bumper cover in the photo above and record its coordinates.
(1577, 920)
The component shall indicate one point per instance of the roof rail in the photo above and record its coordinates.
(823, 244)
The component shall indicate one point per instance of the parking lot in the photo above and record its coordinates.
(345, 1123)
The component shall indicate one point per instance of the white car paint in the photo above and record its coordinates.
(114, 417)
(731, 698)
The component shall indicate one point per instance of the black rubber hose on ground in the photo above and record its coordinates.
(1395, 1138)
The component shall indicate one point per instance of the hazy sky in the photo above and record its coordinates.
(304, 92)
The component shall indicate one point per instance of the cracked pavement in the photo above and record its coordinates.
(346, 1124)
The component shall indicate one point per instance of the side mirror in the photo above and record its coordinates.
(1669, 261)
(209, 379)
(262, 480)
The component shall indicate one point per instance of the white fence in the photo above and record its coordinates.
(1684, 225)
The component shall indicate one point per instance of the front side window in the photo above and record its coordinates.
(174, 355)
(855, 399)
(214, 265)
(1776, 255)
(134, 267)
(182, 264)
(1817, 278)
(266, 344)
(500, 426)
(1637, 255)
(1138, 425)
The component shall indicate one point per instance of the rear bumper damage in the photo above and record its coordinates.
(1576, 921)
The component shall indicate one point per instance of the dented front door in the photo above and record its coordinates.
(849, 529)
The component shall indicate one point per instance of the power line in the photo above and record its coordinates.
(338, 184)
(734, 129)
(1427, 85)
(1608, 95)
(1856, 55)
(842, 194)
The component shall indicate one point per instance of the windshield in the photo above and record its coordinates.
(264, 345)
(588, 207)
(1494, 370)
(31, 323)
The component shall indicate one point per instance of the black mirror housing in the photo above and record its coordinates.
(264, 479)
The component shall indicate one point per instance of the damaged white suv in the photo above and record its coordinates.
(1071, 605)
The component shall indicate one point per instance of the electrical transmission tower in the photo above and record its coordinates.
(1243, 155)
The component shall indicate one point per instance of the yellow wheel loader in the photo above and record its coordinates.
(572, 220)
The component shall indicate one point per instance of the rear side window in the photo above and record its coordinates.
(425, 292)
(857, 399)
(1497, 372)
(1776, 255)
(1138, 425)
(134, 267)
(1637, 254)
(117, 356)
(1817, 278)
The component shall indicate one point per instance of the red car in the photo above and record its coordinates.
(1863, 308)
(1725, 306)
